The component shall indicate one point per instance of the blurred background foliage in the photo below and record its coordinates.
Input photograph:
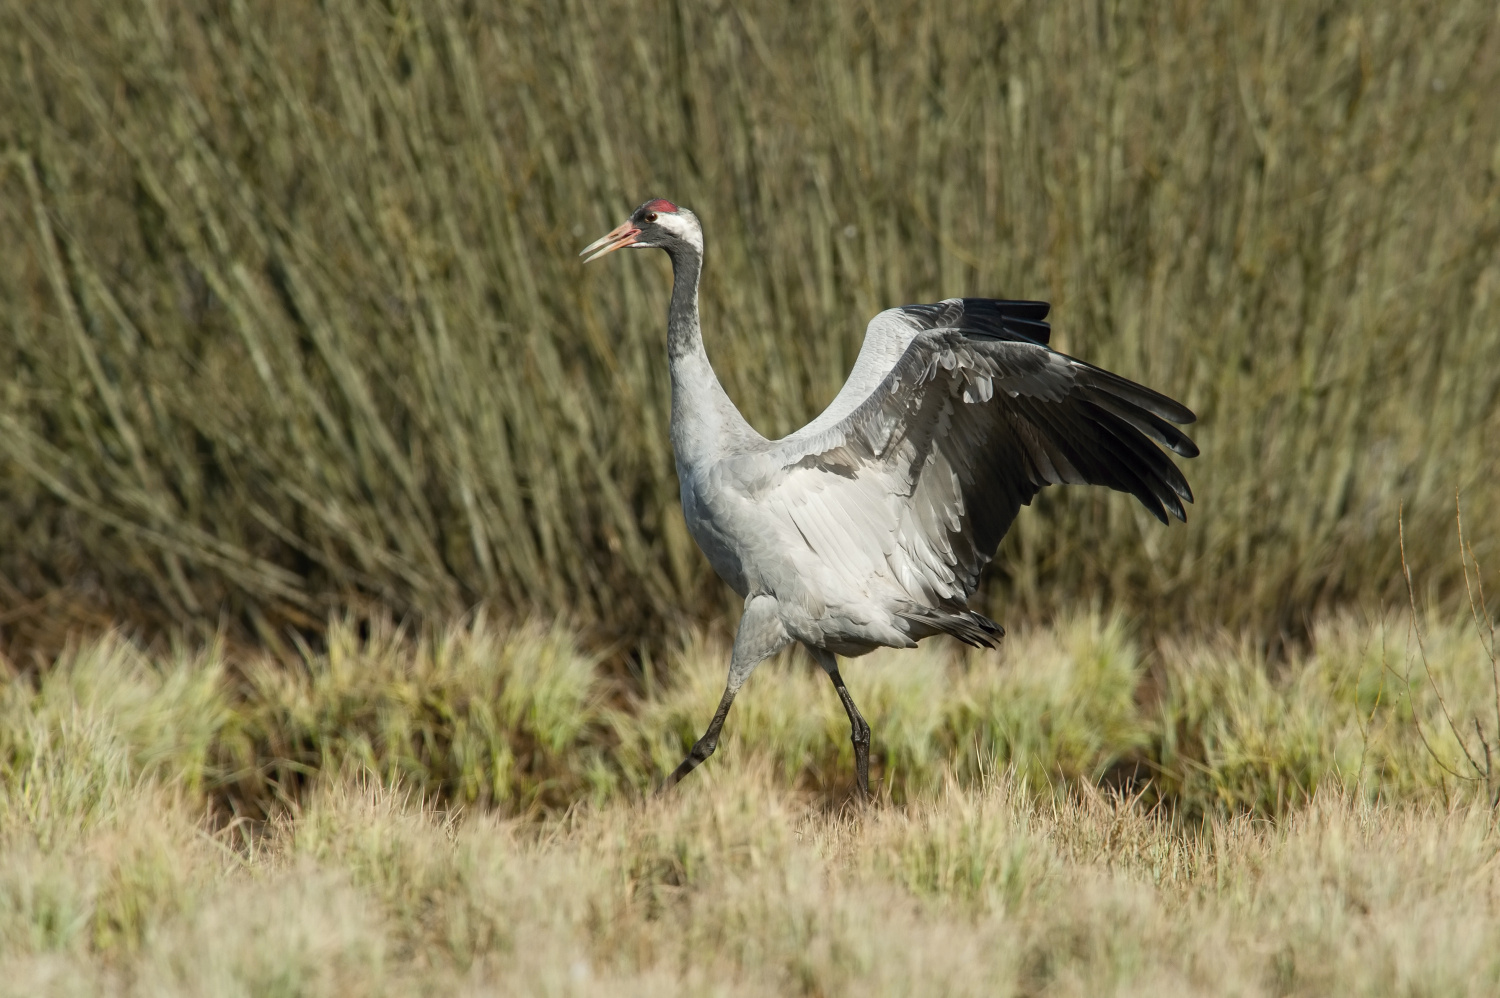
(290, 316)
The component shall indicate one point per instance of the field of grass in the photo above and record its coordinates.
(291, 313)
(470, 812)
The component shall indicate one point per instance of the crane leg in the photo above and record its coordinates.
(859, 729)
(760, 636)
(704, 747)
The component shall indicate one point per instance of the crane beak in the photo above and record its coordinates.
(623, 235)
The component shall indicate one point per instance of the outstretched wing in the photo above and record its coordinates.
(932, 466)
(889, 334)
(996, 318)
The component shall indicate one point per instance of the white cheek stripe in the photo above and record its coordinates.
(682, 228)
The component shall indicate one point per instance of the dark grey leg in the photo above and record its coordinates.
(704, 747)
(760, 636)
(859, 735)
(859, 730)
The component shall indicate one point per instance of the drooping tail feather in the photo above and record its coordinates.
(974, 629)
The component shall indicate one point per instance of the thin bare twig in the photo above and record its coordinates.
(1477, 608)
(1411, 595)
(1479, 730)
(1417, 720)
(1367, 724)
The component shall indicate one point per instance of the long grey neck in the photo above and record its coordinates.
(705, 423)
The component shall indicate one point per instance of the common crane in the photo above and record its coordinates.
(869, 526)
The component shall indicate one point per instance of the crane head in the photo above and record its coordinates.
(657, 224)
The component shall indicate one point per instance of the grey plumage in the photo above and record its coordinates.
(872, 524)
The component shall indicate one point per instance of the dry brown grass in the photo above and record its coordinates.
(466, 811)
(738, 886)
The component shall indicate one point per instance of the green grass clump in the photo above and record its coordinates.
(519, 719)
(292, 315)
(475, 713)
(1056, 703)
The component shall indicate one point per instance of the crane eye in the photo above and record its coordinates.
(650, 216)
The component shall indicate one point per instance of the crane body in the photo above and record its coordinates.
(870, 526)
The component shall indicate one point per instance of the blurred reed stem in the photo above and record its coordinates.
(293, 315)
